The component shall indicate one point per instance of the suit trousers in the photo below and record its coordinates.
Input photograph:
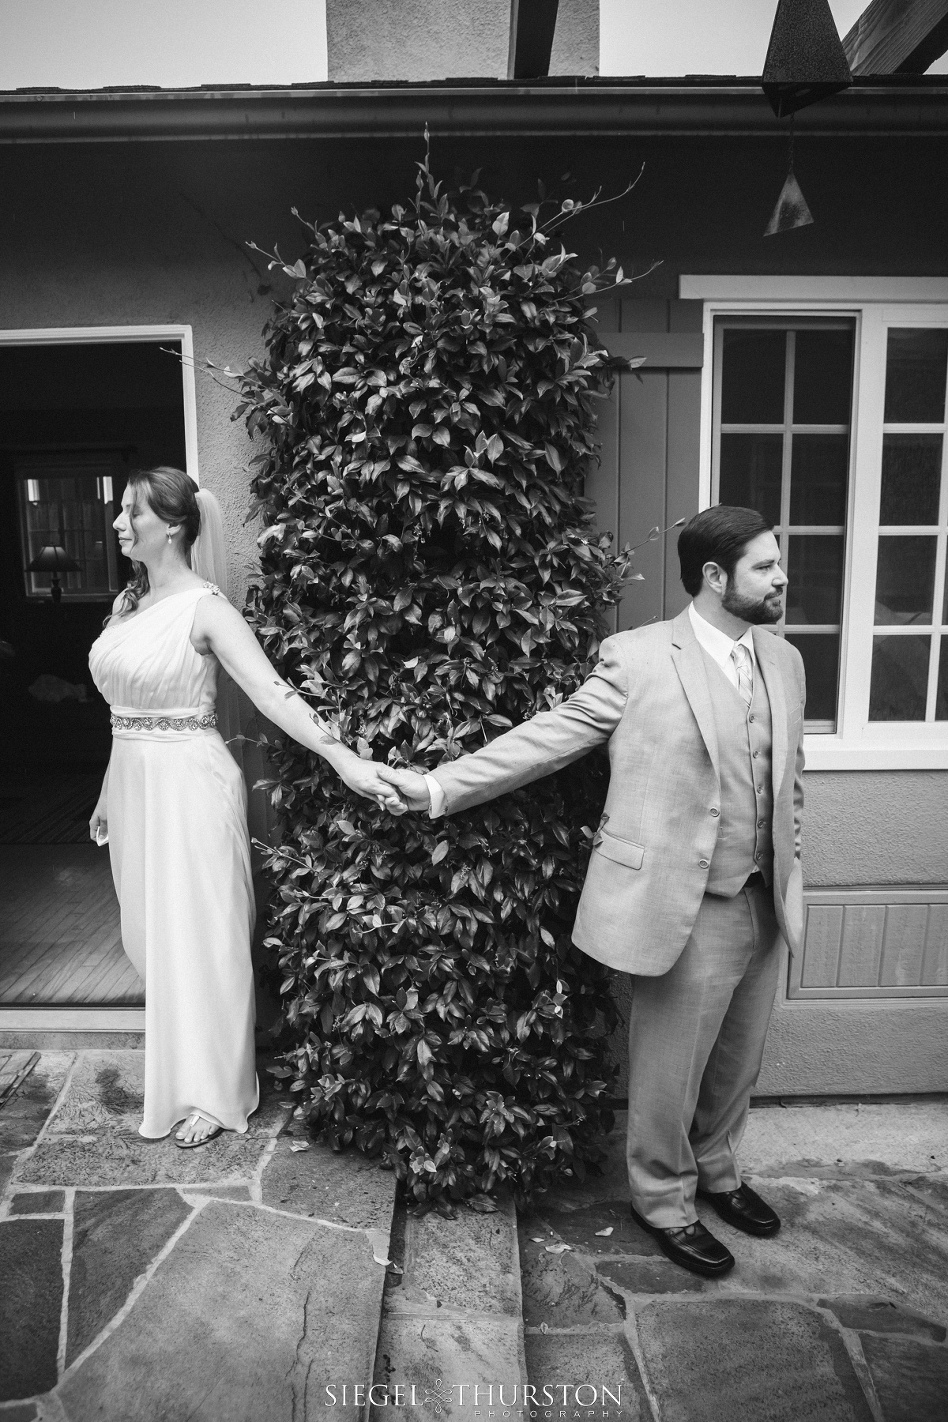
(696, 1042)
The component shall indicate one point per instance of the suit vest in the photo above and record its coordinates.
(745, 749)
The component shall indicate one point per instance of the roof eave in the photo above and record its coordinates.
(462, 108)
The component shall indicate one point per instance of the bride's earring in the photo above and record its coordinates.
(168, 536)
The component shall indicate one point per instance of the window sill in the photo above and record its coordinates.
(906, 753)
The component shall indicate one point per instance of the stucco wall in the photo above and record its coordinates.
(440, 39)
(876, 827)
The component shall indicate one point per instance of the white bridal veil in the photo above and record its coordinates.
(209, 561)
(208, 551)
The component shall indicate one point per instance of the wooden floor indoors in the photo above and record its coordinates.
(60, 940)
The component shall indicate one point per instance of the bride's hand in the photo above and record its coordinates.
(99, 824)
(363, 777)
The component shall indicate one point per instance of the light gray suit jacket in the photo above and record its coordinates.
(649, 699)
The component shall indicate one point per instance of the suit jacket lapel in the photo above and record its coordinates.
(690, 666)
(779, 706)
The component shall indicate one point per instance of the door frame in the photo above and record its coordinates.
(105, 1019)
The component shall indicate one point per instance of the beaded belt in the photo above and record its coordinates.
(165, 723)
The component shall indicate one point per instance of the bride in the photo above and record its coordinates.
(173, 804)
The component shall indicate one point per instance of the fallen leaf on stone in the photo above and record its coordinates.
(299, 1145)
(557, 1248)
(536, 1239)
(603, 1232)
(483, 1204)
(378, 1238)
(285, 1105)
(544, 1328)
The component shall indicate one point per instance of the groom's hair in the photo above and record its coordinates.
(716, 535)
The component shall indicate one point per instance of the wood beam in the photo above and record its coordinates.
(898, 37)
(532, 23)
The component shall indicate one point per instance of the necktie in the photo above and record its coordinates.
(745, 672)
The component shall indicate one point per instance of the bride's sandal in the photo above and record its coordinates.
(213, 1133)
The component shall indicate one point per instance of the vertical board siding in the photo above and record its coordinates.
(649, 438)
(824, 934)
(904, 945)
(873, 942)
(861, 949)
(935, 963)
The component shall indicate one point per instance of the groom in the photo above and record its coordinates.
(694, 874)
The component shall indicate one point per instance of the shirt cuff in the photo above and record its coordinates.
(436, 808)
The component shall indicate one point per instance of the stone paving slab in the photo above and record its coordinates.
(440, 1356)
(910, 1378)
(571, 1361)
(38, 1202)
(30, 1305)
(92, 1137)
(849, 1139)
(345, 1188)
(848, 1236)
(25, 1113)
(237, 1324)
(467, 1263)
(757, 1361)
(116, 1235)
(878, 1315)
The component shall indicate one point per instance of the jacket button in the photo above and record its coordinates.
(751, 716)
(760, 789)
(703, 864)
(756, 754)
(715, 813)
(761, 823)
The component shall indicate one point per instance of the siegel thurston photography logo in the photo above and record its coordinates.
(492, 1402)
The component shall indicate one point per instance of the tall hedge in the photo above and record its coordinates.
(430, 575)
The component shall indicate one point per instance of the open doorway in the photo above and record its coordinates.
(77, 415)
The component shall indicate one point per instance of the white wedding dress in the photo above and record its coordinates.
(181, 864)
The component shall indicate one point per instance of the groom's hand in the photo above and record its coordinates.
(409, 784)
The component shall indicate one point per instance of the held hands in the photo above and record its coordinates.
(366, 778)
(410, 786)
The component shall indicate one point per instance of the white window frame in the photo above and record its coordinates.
(111, 1019)
(874, 303)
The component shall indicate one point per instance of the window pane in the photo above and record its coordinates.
(750, 472)
(820, 653)
(905, 580)
(822, 377)
(911, 478)
(941, 694)
(899, 678)
(815, 570)
(818, 478)
(915, 376)
(752, 377)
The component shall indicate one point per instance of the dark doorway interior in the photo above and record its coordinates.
(75, 419)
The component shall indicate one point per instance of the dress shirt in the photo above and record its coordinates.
(717, 645)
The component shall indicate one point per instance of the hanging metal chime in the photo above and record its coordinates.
(805, 62)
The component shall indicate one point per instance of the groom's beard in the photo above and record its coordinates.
(756, 611)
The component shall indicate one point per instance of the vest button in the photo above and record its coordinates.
(761, 824)
(715, 813)
(751, 716)
(703, 864)
(756, 754)
(757, 855)
(760, 789)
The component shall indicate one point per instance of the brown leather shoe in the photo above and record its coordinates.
(692, 1246)
(744, 1209)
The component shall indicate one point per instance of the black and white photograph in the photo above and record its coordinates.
(474, 711)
